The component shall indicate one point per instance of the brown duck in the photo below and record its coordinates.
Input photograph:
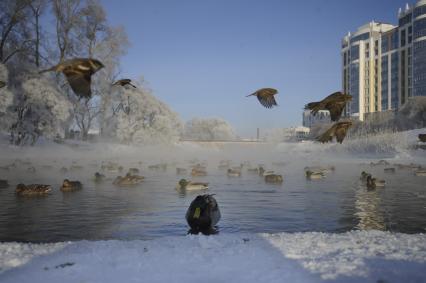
(78, 72)
(70, 186)
(34, 189)
(335, 103)
(266, 96)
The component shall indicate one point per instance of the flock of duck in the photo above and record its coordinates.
(203, 213)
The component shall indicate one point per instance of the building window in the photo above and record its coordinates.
(403, 38)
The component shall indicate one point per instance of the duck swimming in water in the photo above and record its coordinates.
(203, 214)
(191, 186)
(421, 172)
(71, 186)
(99, 178)
(128, 180)
(32, 190)
(234, 172)
(373, 183)
(274, 179)
(198, 171)
(314, 175)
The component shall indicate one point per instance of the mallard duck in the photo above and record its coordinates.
(203, 214)
(314, 175)
(135, 177)
(191, 186)
(128, 180)
(274, 179)
(181, 171)
(372, 183)
(335, 103)
(198, 172)
(4, 184)
(33, 189)
(325, 170)
(70, 186)
(234, 172)
(421, 172)
(99, 178)
(364, 176)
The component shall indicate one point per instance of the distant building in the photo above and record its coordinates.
(287, 134)
(383, 65)
(309, 119)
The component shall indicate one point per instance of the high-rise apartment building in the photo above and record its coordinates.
(383, 65)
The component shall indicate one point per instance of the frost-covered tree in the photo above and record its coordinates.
(42, 111)
(208, 129)
(136, 116)
(6, 100)
(14, 33)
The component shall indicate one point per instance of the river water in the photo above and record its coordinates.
(337, 203)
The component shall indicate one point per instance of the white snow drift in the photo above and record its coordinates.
(301, 257)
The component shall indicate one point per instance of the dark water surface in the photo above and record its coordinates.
(153, 209)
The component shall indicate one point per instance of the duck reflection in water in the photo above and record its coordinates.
(369, 209)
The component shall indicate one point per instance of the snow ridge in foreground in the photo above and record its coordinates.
(357, 256)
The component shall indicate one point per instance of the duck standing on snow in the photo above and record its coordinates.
(203, 214)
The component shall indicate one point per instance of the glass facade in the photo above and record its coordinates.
(385, 89)
(394, 80)
(354, 87)
(354, 52)
(405, 20)
(362, 36)
(419, 68)
(419, 28)
(419, 11)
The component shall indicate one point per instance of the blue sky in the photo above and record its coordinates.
(202, 57)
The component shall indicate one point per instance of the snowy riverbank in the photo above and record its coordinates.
(301, 257)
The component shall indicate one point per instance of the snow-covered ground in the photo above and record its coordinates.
(357, 256)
